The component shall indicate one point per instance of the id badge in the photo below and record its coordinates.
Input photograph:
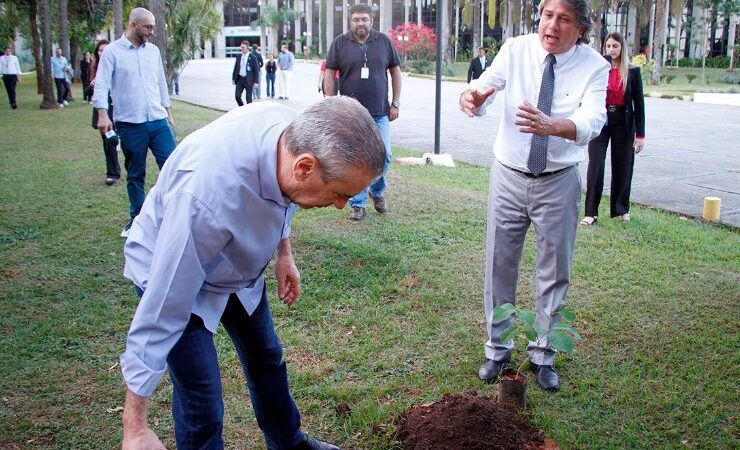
(365, 73)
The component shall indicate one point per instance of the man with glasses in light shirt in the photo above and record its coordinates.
(131, 70)
(10, 69)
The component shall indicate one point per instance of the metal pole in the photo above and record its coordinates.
(438, 90)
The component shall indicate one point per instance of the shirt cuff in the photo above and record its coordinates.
(583, 131)
(139, 378)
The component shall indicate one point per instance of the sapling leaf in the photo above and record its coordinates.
(567, 314)
(527, 317)
(503, 312)
(569, 328)
(508, 335)
(561, 342)
(530, 332)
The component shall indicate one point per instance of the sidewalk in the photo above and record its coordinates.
(691, 150)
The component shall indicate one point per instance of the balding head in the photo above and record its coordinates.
(139, 14)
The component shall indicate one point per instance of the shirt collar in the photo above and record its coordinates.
(269, 187)
(128, 44)
(560, 59)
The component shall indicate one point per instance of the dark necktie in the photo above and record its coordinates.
(538, 150)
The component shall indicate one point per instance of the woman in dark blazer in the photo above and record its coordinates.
(625, 128)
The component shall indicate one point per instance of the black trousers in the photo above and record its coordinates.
(62, 89)
(10, 81)
(243, 84)
(623, 160)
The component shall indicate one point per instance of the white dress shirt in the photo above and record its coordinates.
(136, 81)
(9, 65)
(581, 76)
(206, 230)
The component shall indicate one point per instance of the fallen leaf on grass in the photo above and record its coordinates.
(113, 366)
(114, 410)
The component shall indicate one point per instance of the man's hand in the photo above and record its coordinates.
(286, 272)
(471, 100)
(255, 85)
(393, 114)
(532, 120)
(170, 119)
(104, 123)
(140, 440)
(639, 145)
(136, 432)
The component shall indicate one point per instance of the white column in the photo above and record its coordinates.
(220, 39)
(330, 4)
(297, 45)
(309, 22)
(345, 14)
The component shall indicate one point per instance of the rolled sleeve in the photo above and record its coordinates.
(289, 213)
(590, 117)
(188, 239)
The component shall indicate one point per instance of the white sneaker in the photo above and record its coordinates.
(65, 103)
(60, 105)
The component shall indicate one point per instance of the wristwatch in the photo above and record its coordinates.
(396, 104)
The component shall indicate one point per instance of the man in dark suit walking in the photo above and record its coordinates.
(478, 64)
(246, 74)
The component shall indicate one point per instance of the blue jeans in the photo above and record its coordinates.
(377, 187)
(270, 81)
(136, 138)
(197, 400)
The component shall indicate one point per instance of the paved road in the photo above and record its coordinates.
(692, 150)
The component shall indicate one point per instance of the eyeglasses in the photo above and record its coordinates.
(361, 20)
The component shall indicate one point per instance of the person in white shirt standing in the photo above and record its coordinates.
(535, 179)
(131, 70)
(285, 64)
(10, 69)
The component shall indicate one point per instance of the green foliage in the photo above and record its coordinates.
(272, 16)
(188, 21)
(560, 337)
(715, 62)
(691, 77)
(731, 79)
(422, 66)
(667, 78)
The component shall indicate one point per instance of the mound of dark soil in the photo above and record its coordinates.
(467, 422)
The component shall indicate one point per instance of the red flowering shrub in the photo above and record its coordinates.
(414, 41)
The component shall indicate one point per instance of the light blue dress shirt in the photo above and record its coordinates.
(206, 230)
(57, 66)
(285, 60)
(136, 81)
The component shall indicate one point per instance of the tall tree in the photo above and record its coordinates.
(188, 21)
(477, 35)
(33, 24)
(661, 34)
(48, 101)
(63, 15)
(677, 13)
(117, 18)
(157, 7)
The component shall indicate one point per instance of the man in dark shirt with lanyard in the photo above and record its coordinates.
(363, 56)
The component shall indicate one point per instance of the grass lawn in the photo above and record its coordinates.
(390, 316)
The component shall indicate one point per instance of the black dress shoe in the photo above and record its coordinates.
(547, 378)
(490, 370)
(315, 444)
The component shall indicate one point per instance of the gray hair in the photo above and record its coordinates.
(340, 133)
(582, 10)
(137, 14)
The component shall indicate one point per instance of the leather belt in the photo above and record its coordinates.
(531, 175)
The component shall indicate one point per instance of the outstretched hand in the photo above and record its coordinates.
(471, 100)
(532, 120)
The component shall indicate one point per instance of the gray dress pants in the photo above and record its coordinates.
(551, 203)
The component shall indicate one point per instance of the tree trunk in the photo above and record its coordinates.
(690, 9)
(117, 19)
(297, 42)
(447, 37)
(661, 10)
(64, 37)
(36, 39)
(48, 100)
(157, 7)
(477, 39)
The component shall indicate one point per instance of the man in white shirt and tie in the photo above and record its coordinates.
(10, 69)
(534, 178)
(131, 70)
(478, 65)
